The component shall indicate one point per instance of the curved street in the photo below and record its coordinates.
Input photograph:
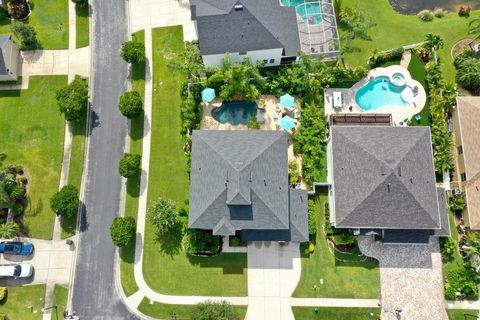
(95, 295)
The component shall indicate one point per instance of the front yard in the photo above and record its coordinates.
(354, 279)
(310, 313)
(24, 303)
(224, 275)
(32, 136)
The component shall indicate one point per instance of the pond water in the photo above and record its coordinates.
(415, 6)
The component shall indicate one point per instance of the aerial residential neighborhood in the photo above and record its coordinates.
(240, 159)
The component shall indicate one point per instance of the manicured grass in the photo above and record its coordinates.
(32, 134)
(457, 260)
(24, 303)
(165, 311)
(82, 26)
(393, 30)
(133, 184)
(310, 313)
(340, 280)
(60, 296)
(49, 18)
(417, 71)
(459, 314)
(224, 275)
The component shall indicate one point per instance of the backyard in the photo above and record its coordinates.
(392, 30)
(354, 279)
(309, 313)
(32, 136)
(24, 303)
(50, 21)
(224, 275)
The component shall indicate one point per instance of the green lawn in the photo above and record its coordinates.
(393, 30)
(459, 314)
(60, 296)
(133, 184)
(24, 303)
(341, 280)
(49, 18)
(224, 275)
(310, 313)
(456, 261)
(82, 26)
(417, 71)
(165, 311)
(32, 135)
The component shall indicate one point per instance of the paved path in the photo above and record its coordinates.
(410, 279)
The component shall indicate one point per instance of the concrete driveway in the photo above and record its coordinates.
(273, 274)
(52, 261)
(410, 279)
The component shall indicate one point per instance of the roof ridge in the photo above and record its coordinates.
(211, 147)
(203, 211)
(275, 139)
(271, 211)
(213, 5)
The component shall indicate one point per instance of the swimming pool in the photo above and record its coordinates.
(309, 10)
(381, 92)
(235, 112)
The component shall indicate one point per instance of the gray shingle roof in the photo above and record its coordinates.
(260, 25)
(383, 177)
(4, 39)
(239, 181)
(442, 208)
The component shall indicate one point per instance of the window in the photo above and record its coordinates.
(460, 149)
(463, 176)
(242, 53)
(272, 60)
(265, 61)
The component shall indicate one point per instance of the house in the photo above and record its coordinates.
(9, 58)
(383, 182)
(272, 31)
(239, 184)
(466, 176)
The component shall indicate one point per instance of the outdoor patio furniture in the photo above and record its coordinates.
(296, 115)
(287, 101)
(418, 117)
(287, 123)
(208, 94)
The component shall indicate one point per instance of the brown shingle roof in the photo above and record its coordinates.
(469, 118)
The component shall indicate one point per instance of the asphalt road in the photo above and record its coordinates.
(95, 295)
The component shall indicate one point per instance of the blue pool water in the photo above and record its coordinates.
(378, 93)
(237, 112)
(310, 10)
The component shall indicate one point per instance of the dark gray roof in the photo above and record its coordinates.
(239, 181)
(4, 39)
(383, 177)
(445, 222)
(410, 236)
(259, 25)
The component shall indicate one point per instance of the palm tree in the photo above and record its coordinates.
(474, 27)
(8, 230)
(433, 42)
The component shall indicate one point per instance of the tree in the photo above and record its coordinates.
(433, 42)
(468, 74)
(212, 310)
(188, 61)
(131, 104)
(122, 231)
(8, 230)
(355, 24)
(17, 9)
(27, 35)
(163, 215)
(133, 51)
(130, 165)
(73, 98)
(81, 3)
(65, 202)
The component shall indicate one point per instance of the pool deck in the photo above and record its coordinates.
(398, 113)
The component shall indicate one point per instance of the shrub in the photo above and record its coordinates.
(213, 310)
(73, 98)
(439, 13)
(131, 104)
(311, 248)
(292, 165)
(133, 52)
(122, 231)
(253, 123)
(294, 177)
(81, 3)
(191, 109)
(65, 202)
(463, 56)
(130, 165)
(425, 15)
(200, 241)
(9, 230)
(457, 203)
(27, 35)
(3, 293)
(468, 74)
(235, 242)
(163, 216)
(461, 283)
(448, 247)
(312, 219)
(423, 53)
(464, 10)
(381, 57)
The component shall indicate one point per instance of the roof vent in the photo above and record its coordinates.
(264, 182)
(250, 176)
(388, 187)
(411, 179)
(238, 7)
(399, 171)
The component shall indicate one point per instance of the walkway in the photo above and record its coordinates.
(410, 279)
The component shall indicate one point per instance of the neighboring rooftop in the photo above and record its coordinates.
(4, 39)
(469, 119)
(239, 182)
(383, 177)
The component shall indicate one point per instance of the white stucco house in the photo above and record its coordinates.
(9, 58)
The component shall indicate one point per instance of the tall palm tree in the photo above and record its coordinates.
(433, 42)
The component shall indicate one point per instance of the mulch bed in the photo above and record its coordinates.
(461, 46)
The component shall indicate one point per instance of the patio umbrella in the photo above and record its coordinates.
(208, 94)
(287, 101)
(287, 123)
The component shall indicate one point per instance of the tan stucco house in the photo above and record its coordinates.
(9, 58)
(466, 137)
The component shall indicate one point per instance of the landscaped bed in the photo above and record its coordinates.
(32, 136)
(353, 279)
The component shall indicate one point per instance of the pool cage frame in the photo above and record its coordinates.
(319, 39)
